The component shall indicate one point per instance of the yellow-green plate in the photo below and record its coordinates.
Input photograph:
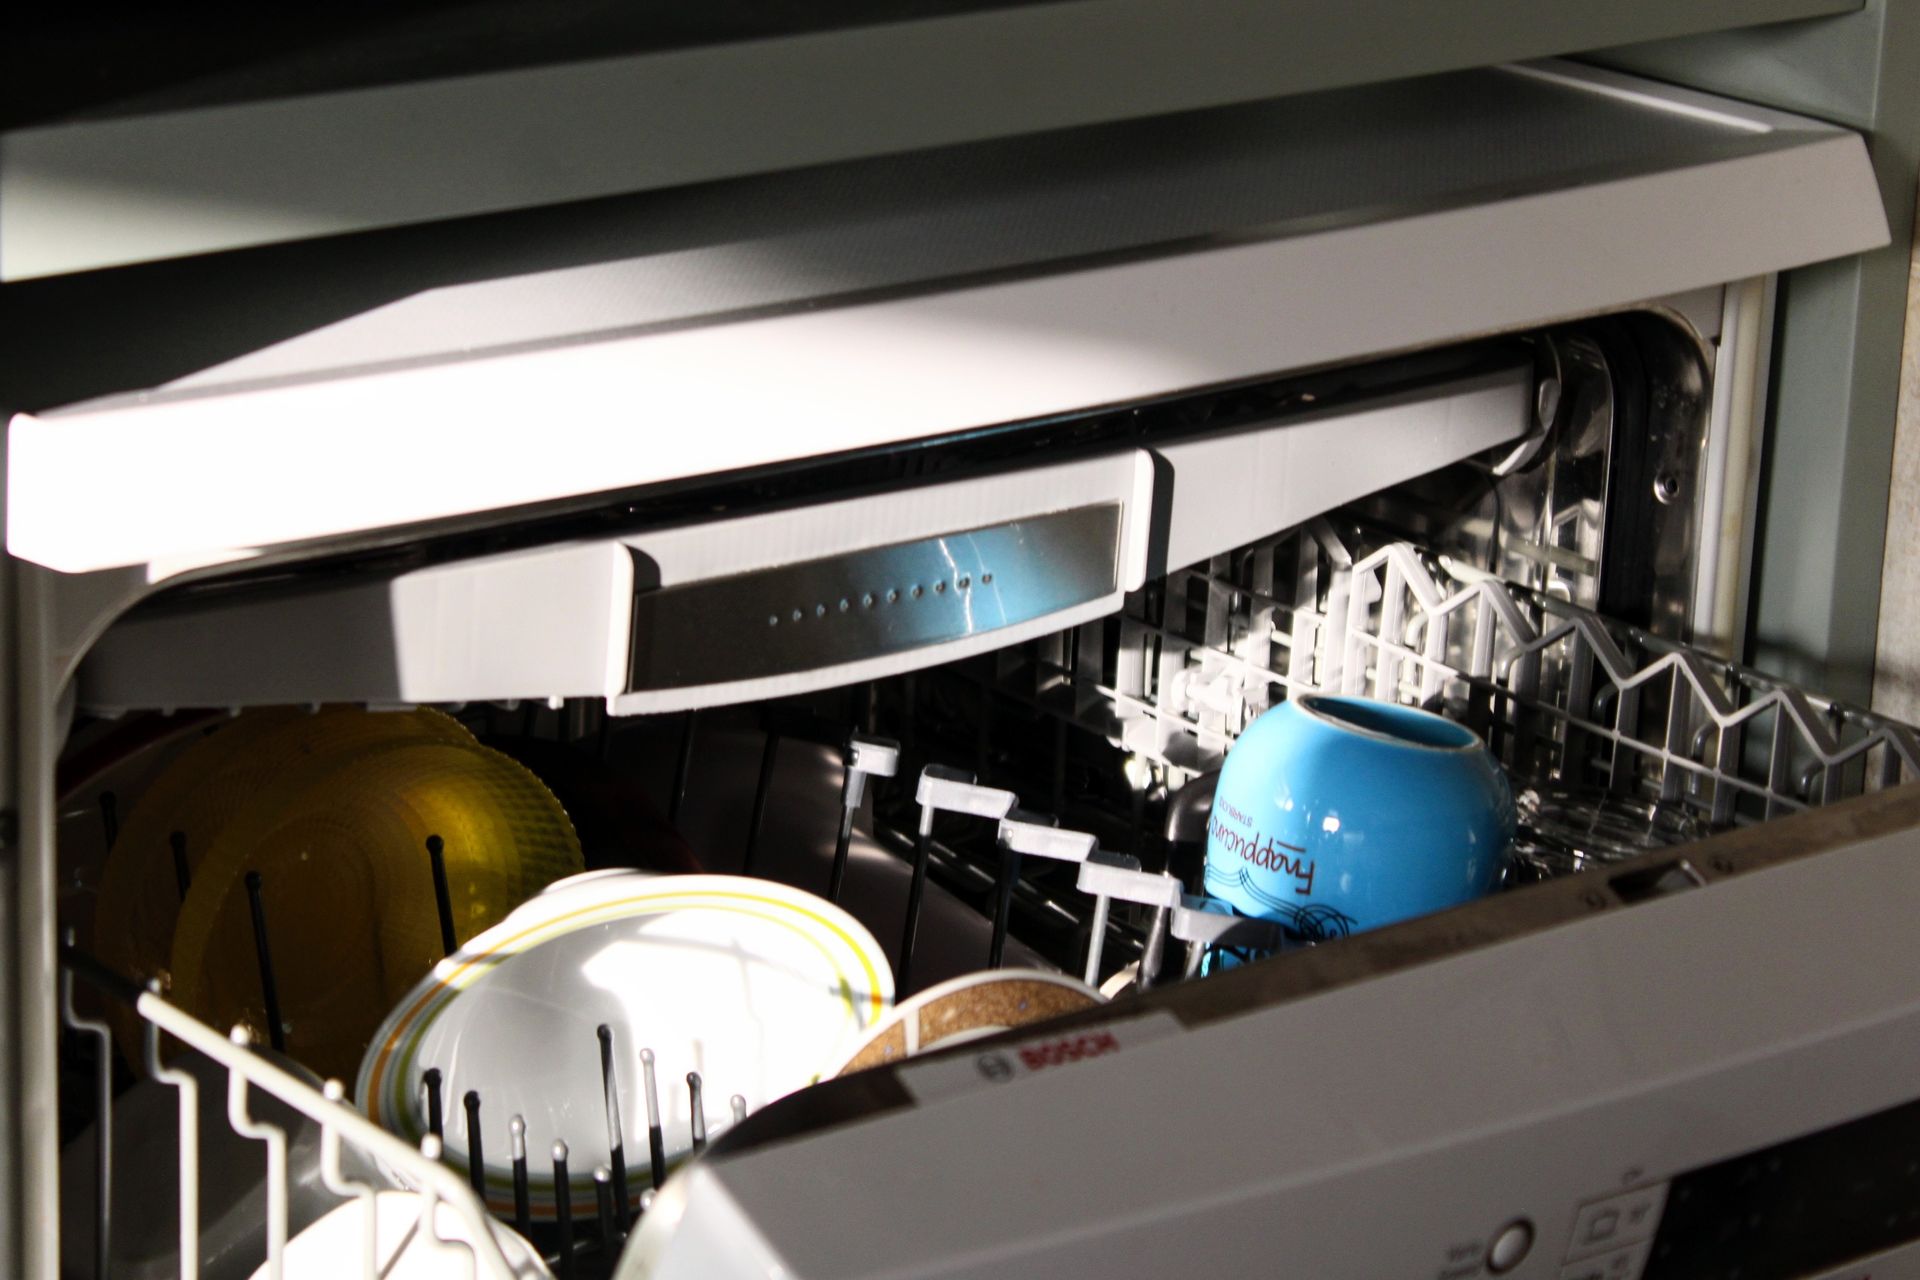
(347, 889)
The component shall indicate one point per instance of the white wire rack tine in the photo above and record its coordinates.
(1335, 637)
(369, 1137)
(1812, 725)
(610, 1094)
(651, 1087)
(1393, 608)
(1706, 687)
(276, 1139)
(188, 1088)
(1619, 668)
(1779, 766)
(1726, 763)
(1097, 940)
(697, 1110)
(656, 1135)
(334, 1178)
(1154, 952)
(430, 1220)
(1434, 653)
(1902, 739)
(426, 1227)
(517, 1153)
(1680, 713)
(103, 1126)
(369, 1230)
(1480, 657)
(737, 1104)
(1363, 589)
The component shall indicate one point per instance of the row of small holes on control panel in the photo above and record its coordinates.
(891, 596)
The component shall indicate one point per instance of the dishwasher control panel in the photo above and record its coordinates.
(1613, 1236)
(1813, 1206)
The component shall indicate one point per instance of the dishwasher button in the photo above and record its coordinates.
(1618, 1220)
(1621, 1264)
(1510, 1246)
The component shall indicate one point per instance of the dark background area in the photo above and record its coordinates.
(104, 59)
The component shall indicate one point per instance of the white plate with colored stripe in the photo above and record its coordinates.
(760, 988)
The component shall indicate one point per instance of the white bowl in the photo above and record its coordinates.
(336, 1245)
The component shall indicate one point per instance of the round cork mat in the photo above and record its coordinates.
(967, 1007)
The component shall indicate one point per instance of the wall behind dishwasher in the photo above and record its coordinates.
(1837, 348)
(1896, 681)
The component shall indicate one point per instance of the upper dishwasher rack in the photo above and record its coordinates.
(773, 602)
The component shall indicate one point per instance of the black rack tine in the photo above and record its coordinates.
(844, 840)
(110, 817)
(916, 890)
(1059, 787)
(940, 789)
(269, 992)
(656, 1136)
(103, 1126)
(97, 975)
(522, 1201)
(699, 1118)
(182, 877)
(1023, 832)
(983, 733)
(767, 755)
(680, 771)
(476, 1158)
(442, 899)
(862, 758)
(616, 1130)
(431, 1079)
(603, 1202)
(563, 1208)
(1003, 905)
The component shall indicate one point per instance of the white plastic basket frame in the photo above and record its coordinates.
(1728, 742)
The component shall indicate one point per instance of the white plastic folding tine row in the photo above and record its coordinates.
(1103, 876)
(1109, 876)
(940, 789)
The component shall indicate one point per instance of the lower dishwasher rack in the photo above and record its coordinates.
(1593, 718)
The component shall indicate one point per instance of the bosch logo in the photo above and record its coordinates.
(1053, 1053)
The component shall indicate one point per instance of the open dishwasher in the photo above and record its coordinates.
(922, 538)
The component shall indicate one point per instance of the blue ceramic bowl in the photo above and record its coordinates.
(1339, 814)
